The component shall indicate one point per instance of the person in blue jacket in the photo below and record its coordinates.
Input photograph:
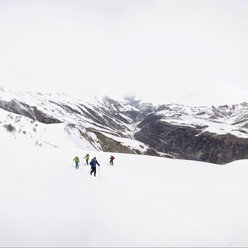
(93, 164)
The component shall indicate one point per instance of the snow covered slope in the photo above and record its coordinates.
(140, 201)
(103, 124)
(232, 119)
(211, 134)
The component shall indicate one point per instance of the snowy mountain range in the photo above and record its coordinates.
(216, 134)
(141, 201)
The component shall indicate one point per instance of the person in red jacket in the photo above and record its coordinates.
(111, 160)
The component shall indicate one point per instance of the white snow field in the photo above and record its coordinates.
(140, 201)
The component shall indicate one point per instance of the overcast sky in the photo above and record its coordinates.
(159, 50)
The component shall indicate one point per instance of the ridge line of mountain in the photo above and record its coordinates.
(212, 134)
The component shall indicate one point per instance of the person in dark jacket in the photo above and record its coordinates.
(93, 164)
(111, 161)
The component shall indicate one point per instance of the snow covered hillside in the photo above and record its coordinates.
(100, 124)
(211, 134)
(140, 201)
(232, 119)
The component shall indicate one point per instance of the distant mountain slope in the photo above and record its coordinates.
(212, 134)
(105, 124)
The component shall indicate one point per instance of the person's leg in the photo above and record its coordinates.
(95, 172)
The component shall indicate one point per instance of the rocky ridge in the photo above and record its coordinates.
(217, 134)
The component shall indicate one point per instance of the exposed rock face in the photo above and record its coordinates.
(44, 118)
(21, 108)
(17, 108)
(221, 149)
(139, 109)
(191, 143)
(109, 144)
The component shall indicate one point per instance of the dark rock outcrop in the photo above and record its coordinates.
(10, 128)
(42, 117)
(191, 143)
(31, 112)
(109, 144)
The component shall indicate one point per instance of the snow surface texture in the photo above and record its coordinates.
(140, 201)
